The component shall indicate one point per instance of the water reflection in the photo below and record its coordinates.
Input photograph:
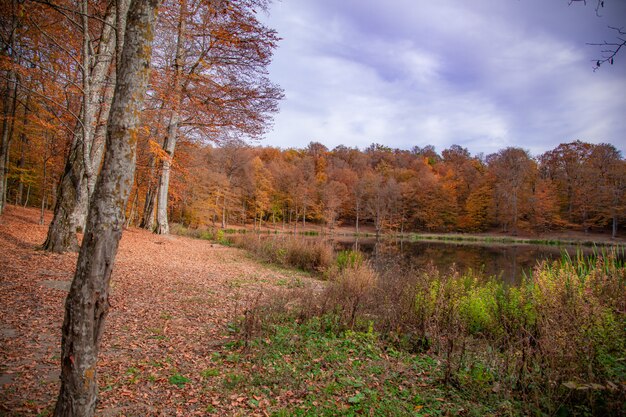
(510, 262)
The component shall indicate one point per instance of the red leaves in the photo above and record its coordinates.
(172, 303)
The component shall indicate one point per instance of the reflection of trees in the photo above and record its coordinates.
(507, 262)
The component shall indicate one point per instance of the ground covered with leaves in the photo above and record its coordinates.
(173, 303)
(192, 331)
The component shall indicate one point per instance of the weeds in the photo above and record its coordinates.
(556, 343)
(215, 235)
(288, 251)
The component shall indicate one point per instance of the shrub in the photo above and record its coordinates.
(289, 251)
(350, 287)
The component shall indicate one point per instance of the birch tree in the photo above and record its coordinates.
(78, 180)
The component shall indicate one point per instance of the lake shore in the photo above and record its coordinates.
(564, 237)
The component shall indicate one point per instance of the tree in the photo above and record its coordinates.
(9, 58)
(613, 47)
(567, 166)
(78, 180)
(478, 213)
(333, 194)
(215, 86)
(609, 169)
(87, 303)
(512, 170)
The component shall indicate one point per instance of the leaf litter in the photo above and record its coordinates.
(172, 299)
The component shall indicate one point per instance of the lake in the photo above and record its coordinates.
(508, 261)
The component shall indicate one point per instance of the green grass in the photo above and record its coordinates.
(178, 379)
(322, 370)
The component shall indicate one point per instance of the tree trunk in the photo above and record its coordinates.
(21, 162)
(357, 217)
(224, 212)
(44, 179)
(162, 226)
(9, 109)
(61, 233)
(147, 220)
(87, 302)
(73, 193)
(10, 97)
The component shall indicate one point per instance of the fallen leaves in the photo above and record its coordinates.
(171, 301)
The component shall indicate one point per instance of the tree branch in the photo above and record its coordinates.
(608, 55)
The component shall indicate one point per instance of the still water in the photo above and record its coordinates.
(507, 261)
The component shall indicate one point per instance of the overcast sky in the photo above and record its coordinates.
(483, 74)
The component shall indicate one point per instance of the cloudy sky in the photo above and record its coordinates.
(484, 74)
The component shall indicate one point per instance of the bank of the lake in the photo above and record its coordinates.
(553, 343)
(201, 329)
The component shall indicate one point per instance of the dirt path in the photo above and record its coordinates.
(172, 301)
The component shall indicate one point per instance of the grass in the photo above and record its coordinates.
(556, 344)
(321, 369)
(414, 237)
(288, 251)
(178, 379)
(214, 235)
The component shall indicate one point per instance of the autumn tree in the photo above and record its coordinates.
(609, 172)
(479, 208)
(87, 302)
(543, 204)
(333, 194)
(460, 172)
(512, 170)
(9, 60)
(214, 73)
(93, 88)
(568, 167)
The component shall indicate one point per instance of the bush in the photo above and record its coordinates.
(288, 251)
(350, 287)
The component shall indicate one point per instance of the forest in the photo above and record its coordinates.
(207, 94)
(577, 186)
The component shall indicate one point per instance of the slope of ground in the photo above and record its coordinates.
(172, 301)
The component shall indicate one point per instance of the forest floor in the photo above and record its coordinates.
(173, 301)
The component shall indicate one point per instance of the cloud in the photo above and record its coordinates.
(480, 75)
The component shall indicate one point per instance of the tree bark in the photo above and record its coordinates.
(224, 212)
(162, 226)
(21, 162)
(9, 109)
(147, 218)
(87, 303)
(74, 187)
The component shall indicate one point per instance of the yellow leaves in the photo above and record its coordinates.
(158, 151)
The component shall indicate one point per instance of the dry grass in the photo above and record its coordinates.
(312, 255)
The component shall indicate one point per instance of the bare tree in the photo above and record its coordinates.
(611, 49)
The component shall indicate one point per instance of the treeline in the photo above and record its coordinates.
(209, 85)
(579, 186)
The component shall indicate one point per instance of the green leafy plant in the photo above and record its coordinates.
(178, 379)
